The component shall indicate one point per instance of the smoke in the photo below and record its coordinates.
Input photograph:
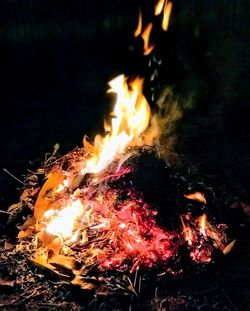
(164, 123)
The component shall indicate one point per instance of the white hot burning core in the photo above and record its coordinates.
(63, 221)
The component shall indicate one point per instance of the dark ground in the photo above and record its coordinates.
(57, 57)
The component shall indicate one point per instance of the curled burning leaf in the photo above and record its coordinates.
(197, 196)
(46, 194)
(229, 247)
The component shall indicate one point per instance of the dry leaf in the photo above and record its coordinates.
(27, 228)
(64, 261)
(41, 260)
(14, 210)
(78, 280)
(6, 282)
(43, 201)
(7, 245)
(15, 207)
(102, 290)
(50, 241)
(29, 195)
(24, 234)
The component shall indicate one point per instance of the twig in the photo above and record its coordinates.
(135, 279)
(59, 304)
(4, 212)
(134, 285)
(229, 300)
(156, 292)
(19, 301)
(55, 161)
(131, 305)
(17, 179)
(34, 173)
(139, 287)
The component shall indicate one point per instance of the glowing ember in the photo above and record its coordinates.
(120, 233)
(198, 235)
(111, 225)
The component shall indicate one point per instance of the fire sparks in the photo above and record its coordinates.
(159, 7)
(162, 7)
(148, 48)
(166, 15)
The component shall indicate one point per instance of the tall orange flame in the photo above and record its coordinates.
(139, 26)
(130, 119)
(148, 48)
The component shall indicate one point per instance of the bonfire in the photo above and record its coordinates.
(105, 214)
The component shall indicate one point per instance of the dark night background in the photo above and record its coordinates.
(56, 58)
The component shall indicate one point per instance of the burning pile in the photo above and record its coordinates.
(92, 210)
(95, 211)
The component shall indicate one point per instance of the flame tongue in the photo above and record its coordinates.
(196, 196)
(131, 118)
